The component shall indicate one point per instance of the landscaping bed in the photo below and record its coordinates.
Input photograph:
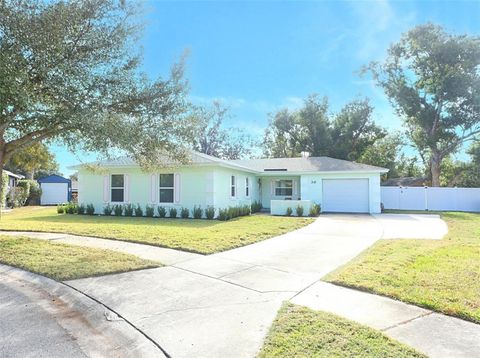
(66, 262)
(195, 235)
(442, 275)
(301, 332)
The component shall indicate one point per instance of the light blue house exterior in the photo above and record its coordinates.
(337, 185)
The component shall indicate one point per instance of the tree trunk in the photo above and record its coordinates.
(30, 175)
(435, 161)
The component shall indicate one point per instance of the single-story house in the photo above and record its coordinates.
(337, 185)
(12, 178)
(55, 190)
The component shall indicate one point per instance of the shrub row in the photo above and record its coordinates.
(314, 210)
(233, 212)
(162, 212)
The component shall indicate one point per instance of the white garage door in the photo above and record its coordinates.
(345, 195)
(54, 193)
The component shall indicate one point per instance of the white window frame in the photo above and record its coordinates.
(117, 187)
(233, 186)
(277, 183)
(166, 187)
(247, 187)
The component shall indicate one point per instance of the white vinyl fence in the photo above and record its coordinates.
(425, 198)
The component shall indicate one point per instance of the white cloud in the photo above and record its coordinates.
(376, 26)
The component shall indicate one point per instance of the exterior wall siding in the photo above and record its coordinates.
(199, 186)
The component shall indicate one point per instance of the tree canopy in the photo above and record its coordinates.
(32, 159)
(70, 70)
(433, 80)
(210, 136)
(345, 135)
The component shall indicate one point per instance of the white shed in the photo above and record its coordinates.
(55, 190)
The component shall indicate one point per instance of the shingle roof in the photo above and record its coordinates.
(311, 164)
(195, 158)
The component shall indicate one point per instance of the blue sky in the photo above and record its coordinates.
(258, 57)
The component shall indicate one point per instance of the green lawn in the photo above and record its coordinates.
(301, 332)
(202, 236)
(443, 275)
(65, 262)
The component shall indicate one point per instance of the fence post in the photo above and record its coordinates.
(426, 197)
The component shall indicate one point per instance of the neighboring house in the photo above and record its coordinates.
(337, 185)
(55, 190)
(12, 179)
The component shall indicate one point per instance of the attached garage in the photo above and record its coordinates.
(346, 195)
(55, 190)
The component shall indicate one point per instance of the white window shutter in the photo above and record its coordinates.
(126, 189)
(294, 184)
(177, 188)
(106, 188)
(237, 186)
(272, 187)
(153, 188)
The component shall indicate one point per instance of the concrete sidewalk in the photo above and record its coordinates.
(148, 252)
(434, 334)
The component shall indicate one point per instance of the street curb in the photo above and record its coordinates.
(98, 331)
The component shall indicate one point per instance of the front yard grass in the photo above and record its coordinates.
(442, 275)
(66, 262)
(301, 332)
(201, 236)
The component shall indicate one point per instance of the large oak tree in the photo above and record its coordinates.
(70, 71)
(433, 80)
(311, 128)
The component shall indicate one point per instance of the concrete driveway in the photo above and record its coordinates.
(222, 305)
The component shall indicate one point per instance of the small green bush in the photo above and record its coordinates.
(20, 197)
(289, 211)
(223, 215)
(71, 208)
(314, 210)
(210, 212)
(149, 211)
(256, 207)
(197, 212)
(107, 210)
(128, 209)
(81, 209)
(60, 209)
(90, 209)
(17, 196)
(185, 213)
(138, 211)
(162, 212)
(118, 210)
(299, 210)
(172, 212)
